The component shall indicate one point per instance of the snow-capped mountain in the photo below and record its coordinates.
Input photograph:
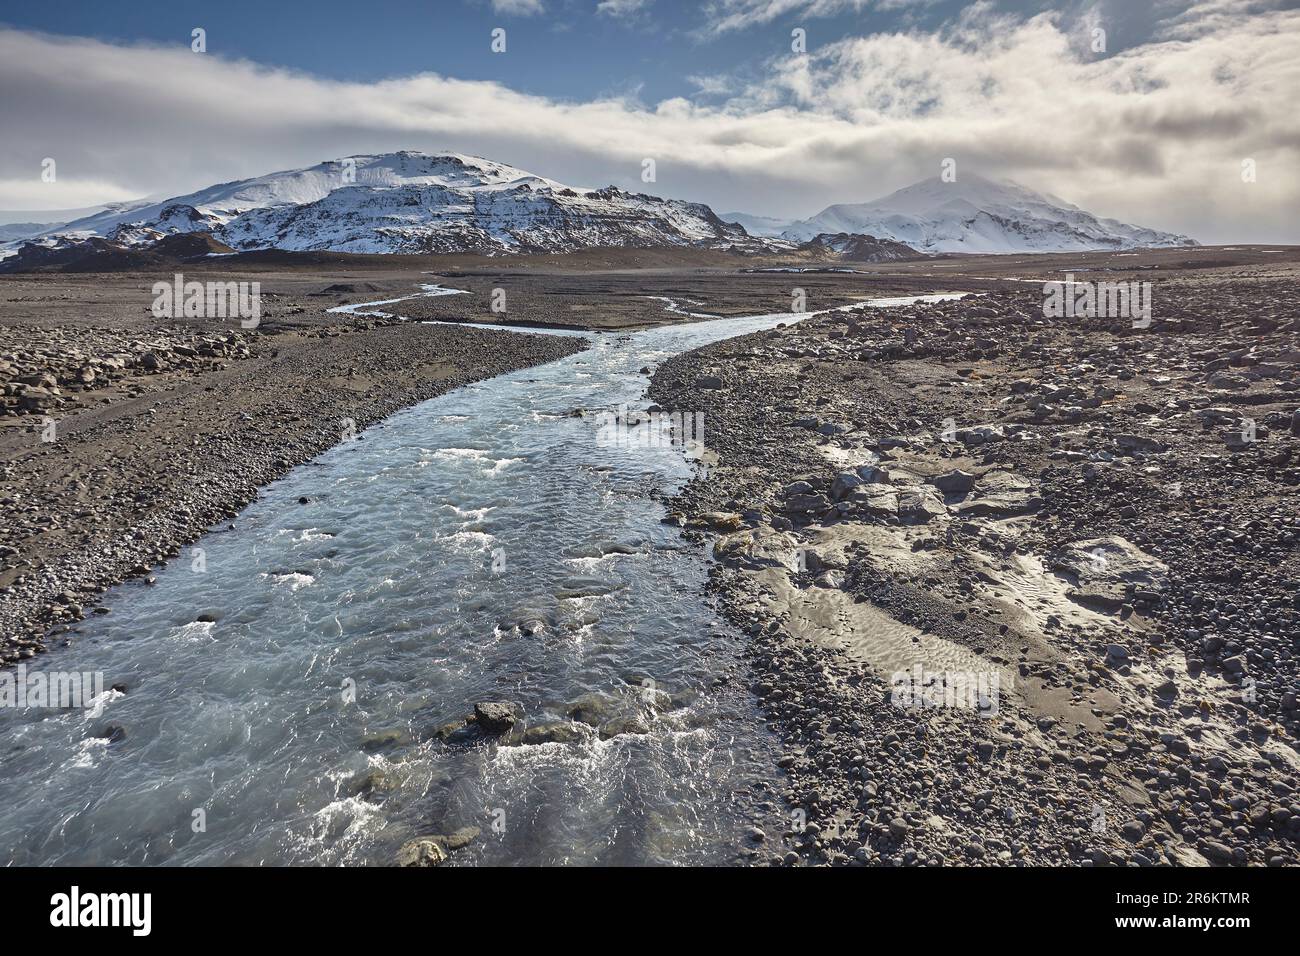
(412, 202)
(979, 215)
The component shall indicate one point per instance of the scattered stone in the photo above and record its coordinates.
(955, 482)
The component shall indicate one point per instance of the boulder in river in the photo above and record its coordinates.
(423, 852)
(113, 733)
(627, 724)
(495, 717)
(433, 850)
(553, 732)
(383, 739)
(592, 709)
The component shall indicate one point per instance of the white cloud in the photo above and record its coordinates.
(621, 8)
(68, 191)
(518, 8)
(723, 16)
(1153, 135)
(712, 84)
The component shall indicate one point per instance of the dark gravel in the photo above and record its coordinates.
(1170, 741)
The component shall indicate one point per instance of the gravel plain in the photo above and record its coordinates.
(1095, 524)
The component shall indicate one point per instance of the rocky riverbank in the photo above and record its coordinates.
(124, 445)
(1018, 590)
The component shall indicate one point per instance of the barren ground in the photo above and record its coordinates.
(1107, 548)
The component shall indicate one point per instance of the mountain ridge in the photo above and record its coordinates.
(414, 202)
(411, 202)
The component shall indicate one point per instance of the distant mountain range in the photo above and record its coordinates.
(972, 214)
(411, 202)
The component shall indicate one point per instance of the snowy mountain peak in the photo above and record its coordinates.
(979, 215)
(414, 202)
(971, 189)
(410, 167)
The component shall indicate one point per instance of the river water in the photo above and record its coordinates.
(284, 682)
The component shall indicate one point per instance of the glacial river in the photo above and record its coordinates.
(282, 693)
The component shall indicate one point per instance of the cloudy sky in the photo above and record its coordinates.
(1148, 121)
